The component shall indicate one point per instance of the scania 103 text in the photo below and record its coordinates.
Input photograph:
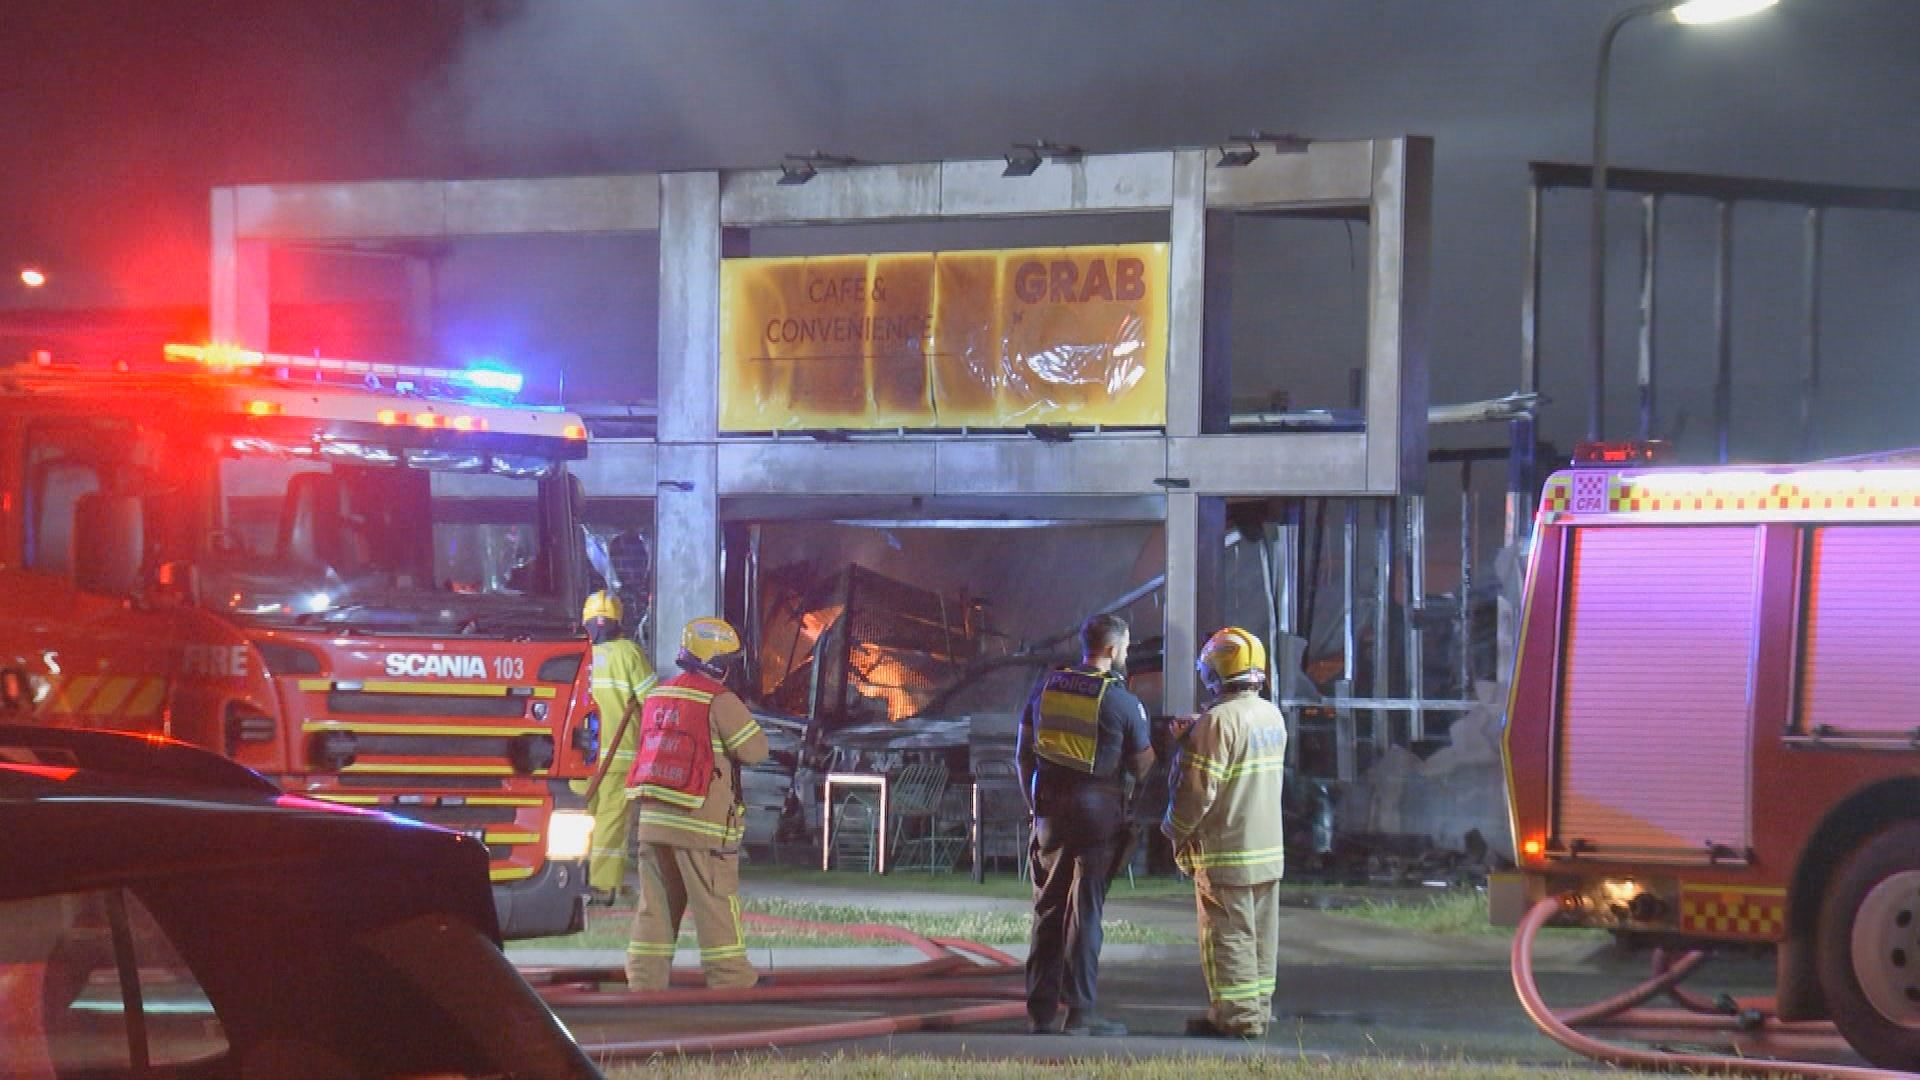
(370, 597)
(1714, 734)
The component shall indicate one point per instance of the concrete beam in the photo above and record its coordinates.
(1324, 174)
(403, 209)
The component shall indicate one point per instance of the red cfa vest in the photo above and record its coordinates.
(674, 761)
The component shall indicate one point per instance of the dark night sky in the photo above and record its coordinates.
(119, 115)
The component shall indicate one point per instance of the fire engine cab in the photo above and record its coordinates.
(359, 580)
(1714, 729)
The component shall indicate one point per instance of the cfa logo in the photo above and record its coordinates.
(452, 667)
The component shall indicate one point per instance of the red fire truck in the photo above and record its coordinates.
(1714, 731)
(337, 573)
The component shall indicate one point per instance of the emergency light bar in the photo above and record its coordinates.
(228, 358)
(1626, 452)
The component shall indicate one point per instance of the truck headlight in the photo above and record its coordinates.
(569, 836)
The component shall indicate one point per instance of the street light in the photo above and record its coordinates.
(32, 277)
(1687, 13)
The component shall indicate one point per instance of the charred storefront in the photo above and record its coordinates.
(907, 425)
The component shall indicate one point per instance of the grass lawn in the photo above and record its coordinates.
(1002, 886)
(987, 927)
(1459, 913)
(1188, 1068)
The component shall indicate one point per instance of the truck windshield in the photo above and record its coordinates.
(380, 539)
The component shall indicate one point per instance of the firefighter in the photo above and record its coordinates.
(1082, 736)
(1225, 823)
(694, 736)
(621, 679)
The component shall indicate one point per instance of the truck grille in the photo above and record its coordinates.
(359, 703)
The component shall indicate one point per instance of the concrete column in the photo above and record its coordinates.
(1196, 539)
(239, 297)
(687, 505)
(1397, 327)
(1187, 295)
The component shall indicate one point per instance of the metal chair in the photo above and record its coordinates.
(914, 798)
(856, 829)
(1005, 829)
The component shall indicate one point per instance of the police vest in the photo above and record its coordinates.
(674, 761)
(1068, 732)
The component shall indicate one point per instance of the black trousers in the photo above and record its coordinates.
(1071, 860)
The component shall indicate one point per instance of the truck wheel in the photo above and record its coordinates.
(1869, 948)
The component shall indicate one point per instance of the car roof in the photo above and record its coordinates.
(86, 809)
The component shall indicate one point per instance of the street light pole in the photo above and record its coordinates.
(1597, 250)
(1689, 12)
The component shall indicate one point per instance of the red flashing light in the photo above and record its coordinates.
(392, 416)
(1628, 452)
(573, 431)
(429, 420)
(265, 408)
(468, 423)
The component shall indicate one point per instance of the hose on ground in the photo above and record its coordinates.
(1558, 1027)
(954, 968)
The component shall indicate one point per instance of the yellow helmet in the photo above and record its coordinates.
(601, 605)
(707, 645)
(1232, 655)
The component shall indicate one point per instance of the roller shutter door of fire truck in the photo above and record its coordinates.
(1656, 701)
(1857, 674)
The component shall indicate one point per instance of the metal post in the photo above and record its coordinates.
(1382, 617)
(1597, 255)
(1347, 735)
(1520, 431)
(1286, 558)
(1810, 390)
(1649, 262)
(1465, 614)
(1416, 601)
(1723, 334)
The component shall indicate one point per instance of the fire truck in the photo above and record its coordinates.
(1714, 730)
(361, 580)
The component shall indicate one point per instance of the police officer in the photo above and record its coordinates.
(1225, 823)
(621, 679)
(692, 813)
(1082, 737)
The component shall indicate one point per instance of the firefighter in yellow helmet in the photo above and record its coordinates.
(694, 736)
(1225, 823)
(621, 679)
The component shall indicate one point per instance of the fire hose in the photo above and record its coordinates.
(953, 969)
(1751, 1018)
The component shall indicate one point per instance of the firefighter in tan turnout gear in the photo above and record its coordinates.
(621, 679)
(1225, 823)
(694, 736)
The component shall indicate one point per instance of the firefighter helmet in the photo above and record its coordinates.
(601, 605)
(709, 646)
(1230, 657)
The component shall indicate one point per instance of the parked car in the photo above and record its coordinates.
(167, 913)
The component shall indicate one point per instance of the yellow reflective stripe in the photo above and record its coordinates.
(1240, 991)
(382, 686)
(437, 770)
(513, 838)
(668, 796)
(678, 821)
(1206, 765)
(314, 686)
(739, 738)
(648, 948)
(501, 800)
(1255, 766)
(683, 693)
(349, 800)
(1236, 858)
(147, 701)
(723, 952)
(476, 730)
(510, 873)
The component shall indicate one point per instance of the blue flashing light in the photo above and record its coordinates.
(492, 380)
